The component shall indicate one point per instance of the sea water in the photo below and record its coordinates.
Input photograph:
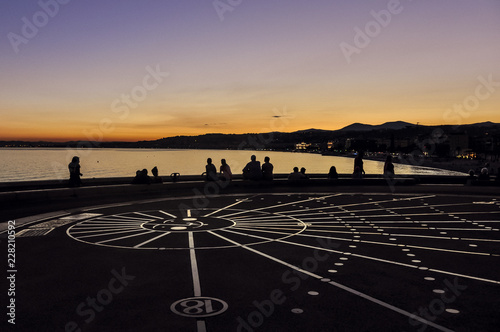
(31, 164)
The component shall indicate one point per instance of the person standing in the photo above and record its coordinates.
(358, 166)
(267, 170)
(74, 172)
(389, 167)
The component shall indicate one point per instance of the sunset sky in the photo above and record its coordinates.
(139, 70)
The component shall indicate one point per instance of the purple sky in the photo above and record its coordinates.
(234, 69)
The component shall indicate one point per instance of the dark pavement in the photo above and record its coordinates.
(255, 259)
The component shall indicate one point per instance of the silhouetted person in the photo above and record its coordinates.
(252, 170)
(484, 175)
(211, 171)
(141, 177)
(389, 167)
(267, 170)
(296, 176)
(332, 174)
(156, 178)
(358, 166)
(225, 171)
(471, 178)
(303, 172)
(74, 172)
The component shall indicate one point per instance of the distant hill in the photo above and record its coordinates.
(483, 124)
(283, 141)
(396, 125)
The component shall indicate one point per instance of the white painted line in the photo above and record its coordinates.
(112, 233)
(257, 229)
(200, 325)
(82, 216)
(128, 218)
(423, 236)
(194, 266)
(466, 276)
(450, 250)
(106, 225)
(106, 206)
(280, 205)
(350, 290)
(151, 240)
(168, 214)
(121, 220)
(226, 207)
(147, 215)
(385, 201)
(389, 306)
(485, 240)
(73, 232)
(370, 258)
(125, 237)
(266, 255)
(259, 217)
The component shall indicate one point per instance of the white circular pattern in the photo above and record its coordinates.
(291, 227)
(199, 307)
(155, 229)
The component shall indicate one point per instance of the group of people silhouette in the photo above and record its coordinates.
(253, 170)
(142, 177)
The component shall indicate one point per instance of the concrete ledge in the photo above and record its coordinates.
(114, 189)
(50, 184)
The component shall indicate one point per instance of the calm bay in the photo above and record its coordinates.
(32, 164)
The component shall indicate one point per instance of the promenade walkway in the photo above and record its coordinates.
(197, 256)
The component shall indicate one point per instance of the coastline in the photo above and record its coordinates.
(449, 164)
(464, 165)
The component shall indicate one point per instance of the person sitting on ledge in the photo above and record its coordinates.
(74, 172)
(295, 177)
(156, 178)
(332, 174)
(267, 170)
(225, 171)
(484, 176)
(252, 170)
(470, 178)
(141, 177)
(304, 175)
(211, 171)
